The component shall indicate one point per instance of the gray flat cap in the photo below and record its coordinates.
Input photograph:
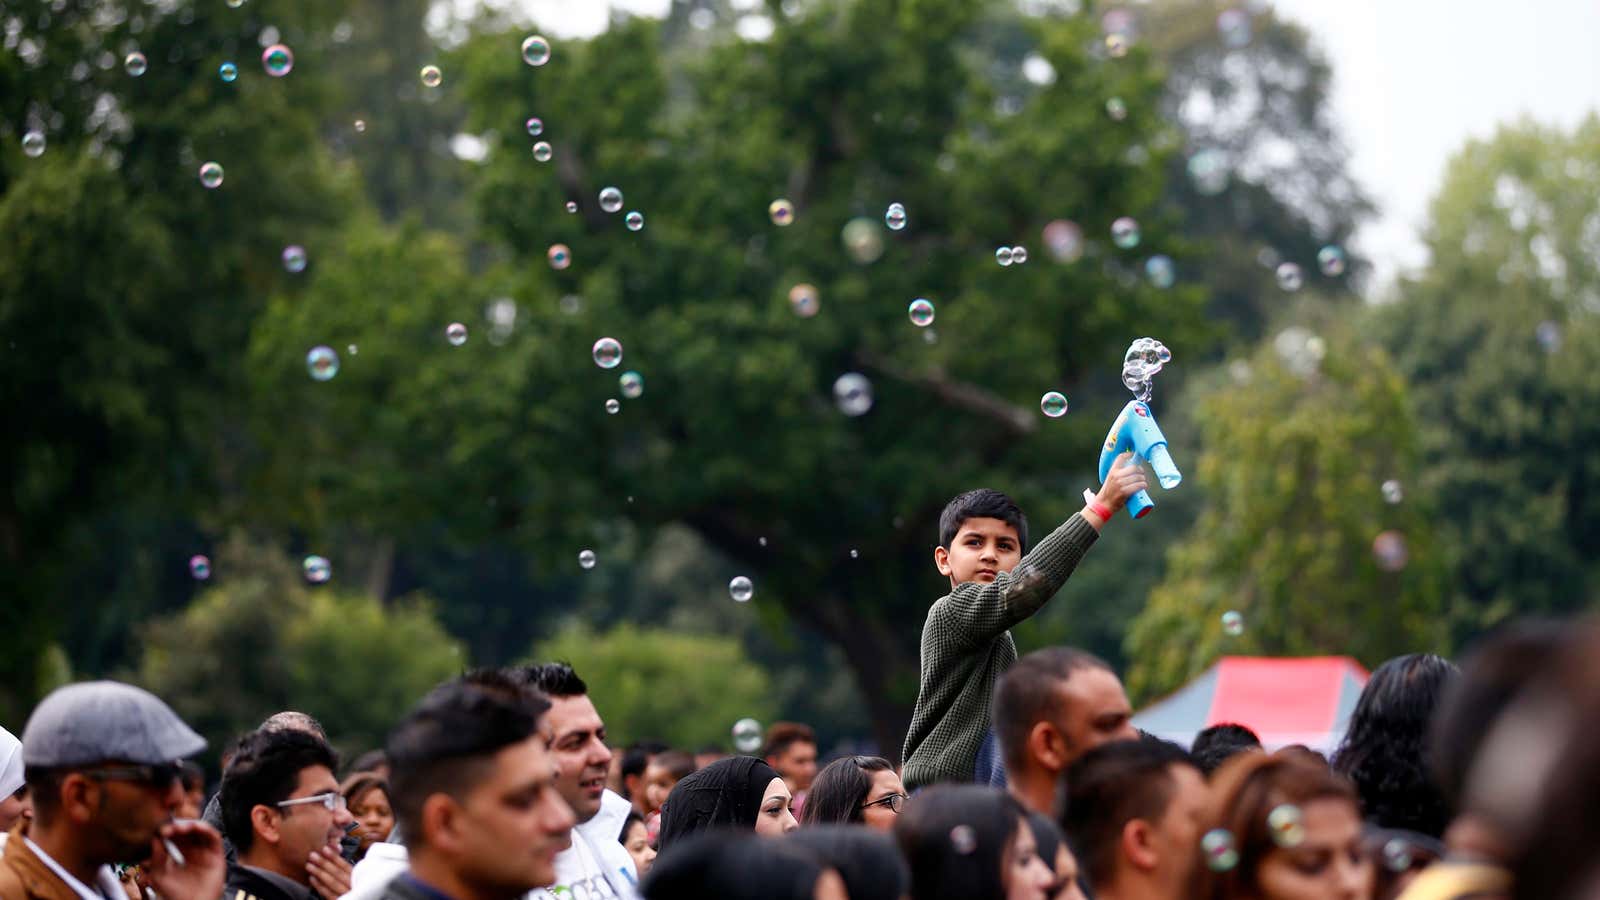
(97, 721)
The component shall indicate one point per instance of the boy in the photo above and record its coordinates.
(966, 643)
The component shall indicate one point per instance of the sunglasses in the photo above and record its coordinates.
(332, 800)
(163, 775)
(895, 802)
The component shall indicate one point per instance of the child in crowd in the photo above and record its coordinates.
(966, 642)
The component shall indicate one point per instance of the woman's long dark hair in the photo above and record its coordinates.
(955, 837)
(839, 790)
(1385, 750)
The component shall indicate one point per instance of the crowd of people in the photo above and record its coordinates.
(1023, 779)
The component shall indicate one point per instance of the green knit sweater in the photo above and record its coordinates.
(965, 647)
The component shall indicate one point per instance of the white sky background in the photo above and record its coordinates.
(1413, 81)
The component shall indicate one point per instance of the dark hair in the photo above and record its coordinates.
(370, 761)
(955, 837)
(289, 720)
(982, 503)
(839, 790)
(1026, 694)
(265, 770)
(361, 783)
(443, 746)
(1215, 745)
(733, 867)
(868, 861)
(782, 735)
(194, 777)
(1110, 786)
(1047, 834)
(628, 821)
(1490, 680)
(1385, 749)
(1243, 794)
(678, 764)
(637, 757)
(555, 679)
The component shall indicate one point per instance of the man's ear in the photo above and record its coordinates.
(941, 560)
(80, 798)
(264, 822)
(1138, 844)
(1048, 746)
(442, 824)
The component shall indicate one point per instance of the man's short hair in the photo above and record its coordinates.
(289, 720)
(445, 744)
(1026, 694)
(370, 761)
(1217, 744)
(554, 679)
(982, 503)
(783, 735)
(1110, 786)
(265, 771)
(637, 756)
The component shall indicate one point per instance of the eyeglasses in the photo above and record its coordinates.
(895, 802)
(163, 775)
(332, 800)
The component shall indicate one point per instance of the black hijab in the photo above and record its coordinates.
(725, 794)
(711, 866)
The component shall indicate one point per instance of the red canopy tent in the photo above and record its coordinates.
(1305, 700)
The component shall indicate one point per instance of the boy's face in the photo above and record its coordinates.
(982, 549)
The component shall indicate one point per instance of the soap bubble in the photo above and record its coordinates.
(353, 349)
(278, 60)
(741, 590)
(1053, 404)
(572, 206)
(1019, 254)
(586, 559)
(228, 72)
(1234, 27)
(316, 569)
(1064, 240)
(853, 393)
(560, 257)
(135, 64)
(33, 144)
(535, 50)
(1116, 45)
(542, 151)
(1219, 851)
(199, 567)
(895, 217)
(921, 312)
(963, 840)
(1286, 825)
(632, 384)
(854, 554)
(607, 353)
(1393, 492)
(1125, 233)
(535, 126)
(360, 126)
(1290, 277)
(235, 4)
(1002, 255)
(804, 301)
(613, 406)
(610, 199)
(456, 334)
(1548, 334)
(634, 220)
(863, 240)
(747, 735)
(1397, 855)
(781, 211)
(1389, 550)
(1232, 623)
(294, 258)
(1117, 109)
(1160, 270)
(1331, 260)
(322, 362)
(211, 175)
(431, 76)
(1208, 169)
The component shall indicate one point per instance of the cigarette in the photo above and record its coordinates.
(174, 852)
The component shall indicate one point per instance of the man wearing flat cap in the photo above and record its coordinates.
(102, 768)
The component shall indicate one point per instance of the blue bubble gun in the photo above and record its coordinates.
(1136, 430)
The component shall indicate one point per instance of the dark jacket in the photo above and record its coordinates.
(245, 883)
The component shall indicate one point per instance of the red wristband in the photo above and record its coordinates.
(1100, 510)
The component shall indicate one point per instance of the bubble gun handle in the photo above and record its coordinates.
(1136, 430)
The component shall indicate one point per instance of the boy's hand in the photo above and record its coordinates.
(1123, 481)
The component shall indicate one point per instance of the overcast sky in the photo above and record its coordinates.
(1413, 81)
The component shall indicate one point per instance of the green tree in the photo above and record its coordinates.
(1293, 465)
(1500, 339)
(261, 641)
(686, 689)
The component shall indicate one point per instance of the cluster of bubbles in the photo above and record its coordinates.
(747, 735)
(535, 50)
(921, 312)
(560, 256)
(211, 175)
(1233, 623)
(1125, 233)
(1053, 404)
(1160, 271)
(631, 384)
(317, 569)
(741, 589)
(1389, 550)
(853, 394)
(228, 72)
(136, 64)
(1064, 240)
(199, 567)
(1145, 359)
(277, 60)
(607, 353)
(1006, 256)
(804, 300)
(781, 212)
(895, 217)
(431, 76)
(586, 559)
(1218, 849)
(456, 334)
(294, 258)
(322, 362)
